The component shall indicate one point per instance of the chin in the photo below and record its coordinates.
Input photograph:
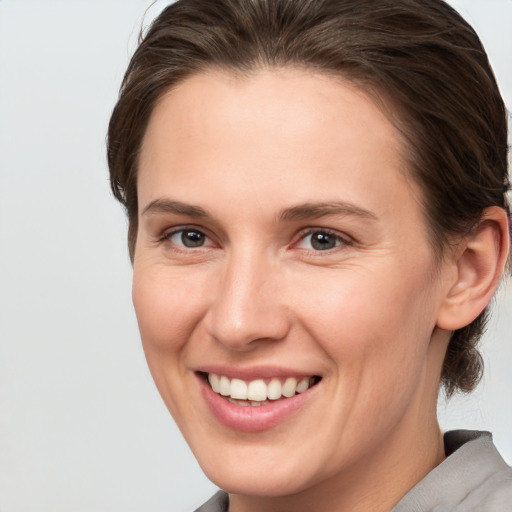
(260, 471)
(268, 482)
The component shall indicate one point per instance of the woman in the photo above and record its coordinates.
(318, 221)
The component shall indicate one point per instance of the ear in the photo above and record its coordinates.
(476, 270)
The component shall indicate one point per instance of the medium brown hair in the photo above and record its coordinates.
(418, 55)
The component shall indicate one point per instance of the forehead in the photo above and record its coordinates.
(287, 134)
(285, 100)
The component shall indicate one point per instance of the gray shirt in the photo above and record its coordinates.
(473, 478)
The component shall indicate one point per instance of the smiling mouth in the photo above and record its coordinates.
(259, 392)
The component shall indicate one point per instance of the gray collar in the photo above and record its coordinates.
(472, 474)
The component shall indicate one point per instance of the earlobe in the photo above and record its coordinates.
(479, 266)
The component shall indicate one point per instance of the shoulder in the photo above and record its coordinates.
(473, 478)
(493, 494)
(487, 477)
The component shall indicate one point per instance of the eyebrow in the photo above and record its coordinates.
(298, 212)
(163, 205)
(318, 210)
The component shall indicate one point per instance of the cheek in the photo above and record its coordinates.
(167, 308)
(372, 321)
(377, 339)
(167, 311)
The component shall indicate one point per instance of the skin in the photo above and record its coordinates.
(369, 315)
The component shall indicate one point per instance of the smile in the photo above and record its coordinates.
(259, 391)
(256, 399)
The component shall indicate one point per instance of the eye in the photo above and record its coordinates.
(188, 237)
(321, 240)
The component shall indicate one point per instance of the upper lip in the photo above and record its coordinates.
(254, 372)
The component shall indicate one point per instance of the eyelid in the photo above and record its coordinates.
(170, 232)
(343, 238)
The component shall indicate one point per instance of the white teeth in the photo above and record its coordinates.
(214, 381)
(224, 386)
(274, 389)
(303, 385)
(238, 389)
(257, 392)
(290, 386)
(243, 403)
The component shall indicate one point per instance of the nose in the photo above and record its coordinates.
(248, 305)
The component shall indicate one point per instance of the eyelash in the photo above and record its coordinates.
(168, 235)
(339, 240)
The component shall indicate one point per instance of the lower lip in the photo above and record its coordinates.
(253, 418)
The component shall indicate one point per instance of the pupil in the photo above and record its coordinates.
(323, 241)
(192, 239)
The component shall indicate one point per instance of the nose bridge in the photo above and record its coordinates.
(248, 305)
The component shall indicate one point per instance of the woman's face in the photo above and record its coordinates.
(280, 243)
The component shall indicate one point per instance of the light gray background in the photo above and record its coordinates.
(81, 425)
